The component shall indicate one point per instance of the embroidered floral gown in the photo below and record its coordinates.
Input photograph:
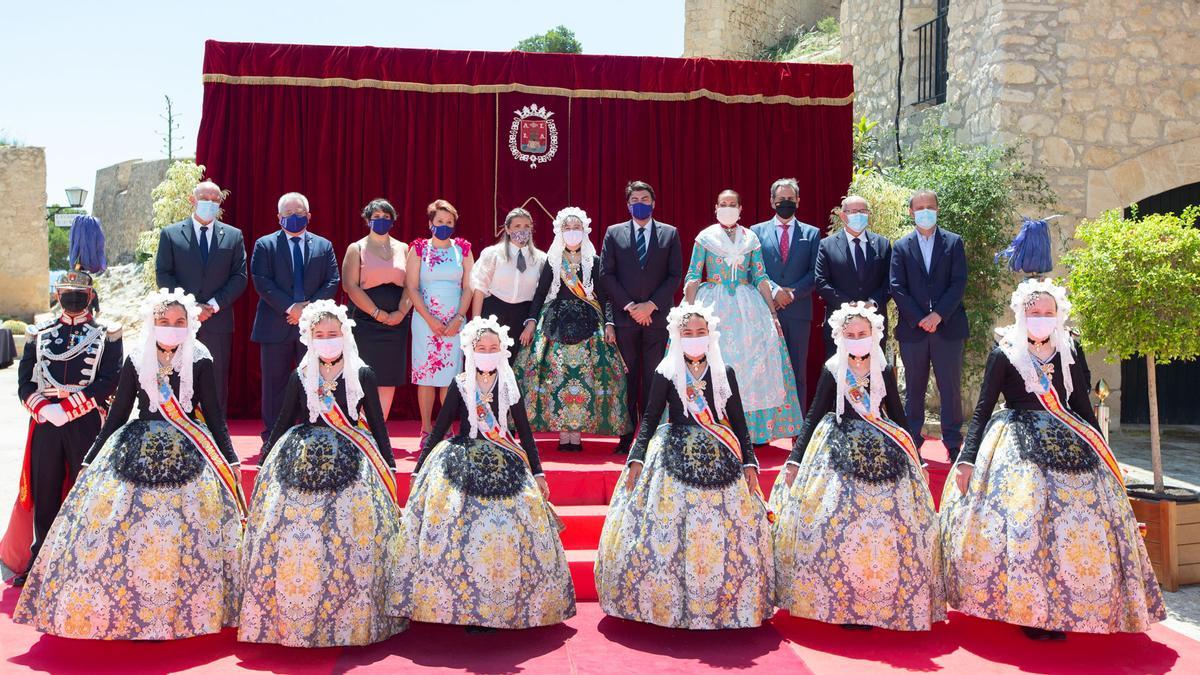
(856, 534)
(323, 530)
(572, 378)
(147, 542)
(1045, 535)
(480, 546)
(436, 360)
(749, 341)
(689, 546)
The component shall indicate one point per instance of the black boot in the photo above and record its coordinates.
(624, 444)
(1043, 635)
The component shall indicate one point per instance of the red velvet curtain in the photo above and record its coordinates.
(344, 125)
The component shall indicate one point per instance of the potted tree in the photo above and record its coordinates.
(1134, 285)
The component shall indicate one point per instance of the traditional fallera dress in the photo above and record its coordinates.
(381, 346)
(480, 543)
(857, 536)
(689, 546)
(436, 360)
(573, 379)
(731, 271)
(1045, 535)
(146, 545)
(324, 524)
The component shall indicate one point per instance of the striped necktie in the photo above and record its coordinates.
(641, 245)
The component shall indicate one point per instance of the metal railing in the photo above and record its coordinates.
(932, 54)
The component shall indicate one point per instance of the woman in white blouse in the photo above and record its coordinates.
(506, 276)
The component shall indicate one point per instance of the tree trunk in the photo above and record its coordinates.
(1155, 443)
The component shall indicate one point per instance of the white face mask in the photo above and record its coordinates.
(328, 348)
(860, 346)
(694, 347)
(573, 237)
(488, 361)
(1040, 327)
(728, 215)
(170, 336)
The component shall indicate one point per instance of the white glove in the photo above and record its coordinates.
(54, 414)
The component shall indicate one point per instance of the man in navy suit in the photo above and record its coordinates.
(929, 276)
(641, 265)
(853, 265)
(789, 250)
(291, 268)
(206, 258)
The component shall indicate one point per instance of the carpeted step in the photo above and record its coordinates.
(583, 563)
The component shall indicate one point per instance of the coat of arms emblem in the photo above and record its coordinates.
(533, 138)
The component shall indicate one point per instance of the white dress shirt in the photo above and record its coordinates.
(495, 276)
(862, 241)
(926, 244)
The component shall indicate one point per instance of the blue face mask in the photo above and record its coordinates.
(640, 210)
(443, 232)
(207, 210)
(381, 225)
(294, 223)
(925, 218)
(856, 222)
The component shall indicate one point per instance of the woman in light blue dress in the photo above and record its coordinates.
(439, 282)
(727, 273)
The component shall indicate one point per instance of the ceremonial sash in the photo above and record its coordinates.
(721, 431)
(860, 398)
(361, 439)
(173, 413)
(1054, 405)
(572, 282)
(489, 426)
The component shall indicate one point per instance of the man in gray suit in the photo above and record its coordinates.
(789, 250)
(206, 258)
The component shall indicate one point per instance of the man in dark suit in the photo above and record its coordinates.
(789, 251)
(853, 265)
(291, 268)
(928, 278)
(206, 258)
(641, 265)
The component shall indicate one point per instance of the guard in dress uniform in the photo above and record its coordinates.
(68, 371)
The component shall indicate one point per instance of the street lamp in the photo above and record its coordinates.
(75, 198)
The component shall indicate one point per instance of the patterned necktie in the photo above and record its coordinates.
(641, 246)
(204, 244)
(297, 271)
(860, 260)
(784, 244)
(520, 261)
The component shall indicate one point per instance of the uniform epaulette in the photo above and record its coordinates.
(35, 328)
(112, 332)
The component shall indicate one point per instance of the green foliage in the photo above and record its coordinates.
(818, 44)
(888, 202)
(557, 40)
(15, 326)
(866, 146)
(59, 239)
(1133, 285)
(979, 191)
(171, 205)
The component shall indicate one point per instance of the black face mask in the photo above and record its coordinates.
(786, 209)
(74, 302)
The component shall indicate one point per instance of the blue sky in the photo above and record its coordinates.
(86, 80)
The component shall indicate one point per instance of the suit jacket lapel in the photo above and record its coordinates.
(939, 240)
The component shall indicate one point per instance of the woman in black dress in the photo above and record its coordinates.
(373, 278)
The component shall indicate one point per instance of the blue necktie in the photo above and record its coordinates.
(641, 246)
(297, 271)
(204, 244)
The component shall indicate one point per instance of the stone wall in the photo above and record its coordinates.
(25, 274)
(123, 204)
(741, 29)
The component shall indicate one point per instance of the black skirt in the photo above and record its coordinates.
(512, 315)
(384, 348)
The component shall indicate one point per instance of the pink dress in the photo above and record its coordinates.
(381, 346)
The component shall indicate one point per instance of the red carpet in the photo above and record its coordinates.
(593, 643)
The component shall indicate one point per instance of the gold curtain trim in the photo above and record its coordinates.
(218, 78)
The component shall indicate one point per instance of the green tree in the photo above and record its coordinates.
(557, 40)
(1133, 288)
(171, 205)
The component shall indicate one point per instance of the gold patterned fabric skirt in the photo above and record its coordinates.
(689, 546)
(479, 546)
(320, 544)
(145, 547)
(1044, 539)
(856, 534)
